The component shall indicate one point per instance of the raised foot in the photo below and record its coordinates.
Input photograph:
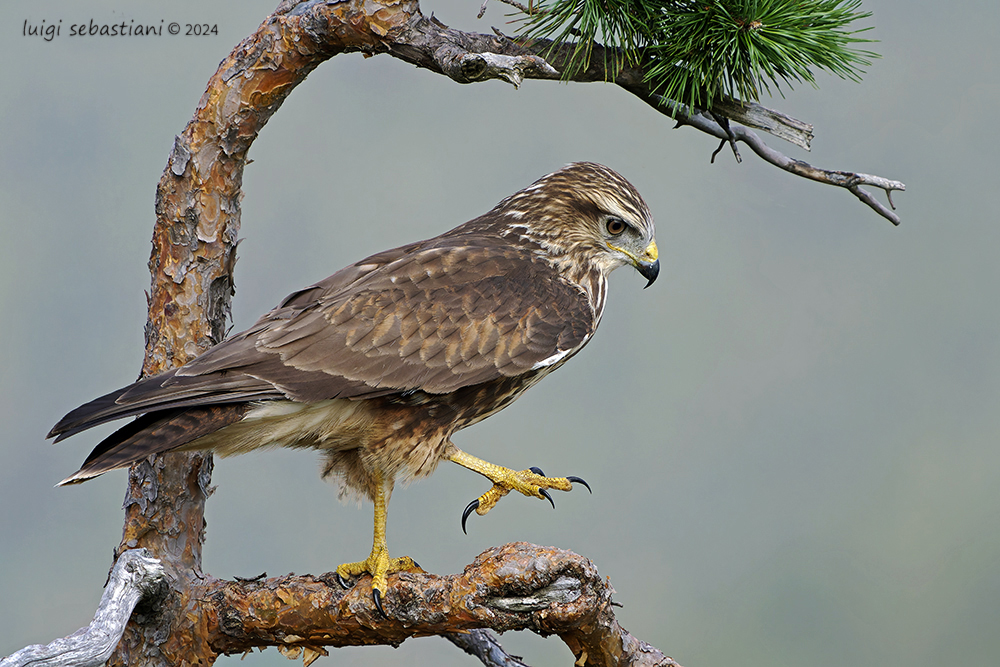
(379, 565)
(530, 482)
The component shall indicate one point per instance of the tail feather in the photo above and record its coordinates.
(159, 393)
(155, 433)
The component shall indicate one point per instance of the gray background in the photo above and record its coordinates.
(792, 437)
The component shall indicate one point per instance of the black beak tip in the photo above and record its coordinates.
(649, 271)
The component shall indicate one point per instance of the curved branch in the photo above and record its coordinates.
(191, 265)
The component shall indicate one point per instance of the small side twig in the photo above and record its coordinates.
(134, 576)
(730, 138)
(529, 10)
(484, 645)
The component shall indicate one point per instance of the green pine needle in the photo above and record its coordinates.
(624, 24)
(696, 51)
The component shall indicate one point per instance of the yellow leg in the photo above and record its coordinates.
(531, 482)
(378, 564)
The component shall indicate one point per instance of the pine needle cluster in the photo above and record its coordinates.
(698, 51)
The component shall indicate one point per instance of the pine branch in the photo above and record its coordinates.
(697, 52)
(460, 55)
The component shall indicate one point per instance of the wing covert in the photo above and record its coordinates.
(435, 320)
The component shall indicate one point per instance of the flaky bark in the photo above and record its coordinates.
(194, 250)
(518, 586)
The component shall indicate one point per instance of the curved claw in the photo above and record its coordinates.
(469, 509)
(579, 480)
(377, 596)
(537, 471)
(340, 580)
(545, 494)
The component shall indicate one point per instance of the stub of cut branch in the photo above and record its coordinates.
(465, 67)
(771, 121)
(134, 576)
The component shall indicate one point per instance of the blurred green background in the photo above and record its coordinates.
(792, 437)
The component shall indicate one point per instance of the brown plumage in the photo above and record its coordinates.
(379, 364)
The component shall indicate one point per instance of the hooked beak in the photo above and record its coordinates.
(648, 265)
(649, 271)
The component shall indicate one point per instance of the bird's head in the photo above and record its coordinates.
(585, 215)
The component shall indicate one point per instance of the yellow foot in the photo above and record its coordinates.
(379, 565)
(530, 482)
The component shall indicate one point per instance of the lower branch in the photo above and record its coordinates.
(518, 586)
(136, 575)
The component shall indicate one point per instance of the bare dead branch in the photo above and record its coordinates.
(136, 575)
(843, 179)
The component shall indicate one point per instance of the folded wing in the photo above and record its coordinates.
(431, 317)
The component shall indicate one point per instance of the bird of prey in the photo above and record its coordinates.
(379, 365)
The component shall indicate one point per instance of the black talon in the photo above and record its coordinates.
(378, 602)
(578, 480)
(340, 580)
(470, 508)
(545, 494)
(537, 471)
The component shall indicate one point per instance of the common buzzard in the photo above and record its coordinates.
(381, 363)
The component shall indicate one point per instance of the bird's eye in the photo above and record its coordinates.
(616, 226)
